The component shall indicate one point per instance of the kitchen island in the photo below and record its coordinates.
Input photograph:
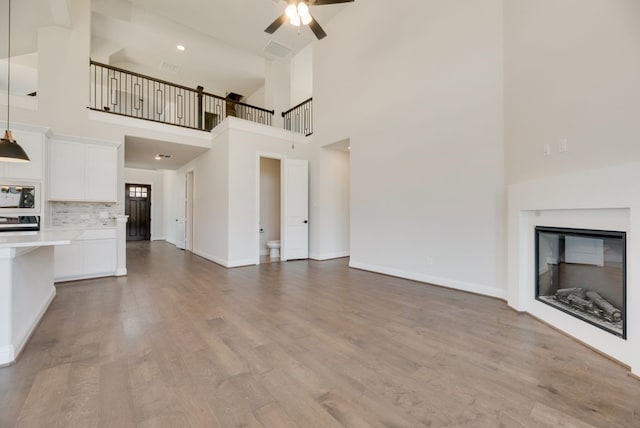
(26, 285)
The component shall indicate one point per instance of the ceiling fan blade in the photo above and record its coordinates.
(321, 2)
(276, 24)
(317, 29)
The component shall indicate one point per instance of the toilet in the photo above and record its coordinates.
(274, 246)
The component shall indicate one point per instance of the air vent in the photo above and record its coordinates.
(276, 49)
(170, 68)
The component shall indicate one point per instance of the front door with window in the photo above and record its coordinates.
(138, 208)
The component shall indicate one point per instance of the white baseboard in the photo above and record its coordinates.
(204, 255)
(329, 256)
(88, 276)
(162, 238)
(430, 279)
(7, 355)
(239, 263)
(223, 262)
(121, 272)
(27, 335)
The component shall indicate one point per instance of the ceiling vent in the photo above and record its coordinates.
(170, 68)
(276, 49)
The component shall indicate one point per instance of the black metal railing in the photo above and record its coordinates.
(126, 93)
(300, 118)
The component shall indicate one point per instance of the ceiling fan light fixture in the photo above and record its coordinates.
(306, 19)
(291, 11)
(303, 9)
(295, 21)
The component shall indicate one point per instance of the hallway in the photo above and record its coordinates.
(183, 342)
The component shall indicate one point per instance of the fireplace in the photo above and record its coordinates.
(583, 273)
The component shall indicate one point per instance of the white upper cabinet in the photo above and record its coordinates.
(82, 171)
(33, 145)
(67, 170)
(101, 173)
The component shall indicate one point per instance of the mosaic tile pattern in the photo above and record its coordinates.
(84, 214)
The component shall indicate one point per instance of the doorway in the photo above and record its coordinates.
(185, 218)
(138, 207)
(292, 180)
(270, 213)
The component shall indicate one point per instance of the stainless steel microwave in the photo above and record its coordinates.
(20, 198)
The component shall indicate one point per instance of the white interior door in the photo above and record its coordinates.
(181, 202)
(295, 240)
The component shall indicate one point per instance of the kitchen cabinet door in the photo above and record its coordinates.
(83, 172)
(67, 171)
(68, 260)
(101, 173)
(99, 256)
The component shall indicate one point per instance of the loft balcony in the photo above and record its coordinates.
(300, 118)
(125, 93)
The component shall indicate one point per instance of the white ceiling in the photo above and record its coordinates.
(140, 153)
(224, 39)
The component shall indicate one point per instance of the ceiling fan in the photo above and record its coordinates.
(297, 13)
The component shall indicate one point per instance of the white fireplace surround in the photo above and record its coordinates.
(602, 199)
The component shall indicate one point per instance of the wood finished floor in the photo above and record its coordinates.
(182, 342)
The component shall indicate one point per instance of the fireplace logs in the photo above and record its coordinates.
(611, 313)
(590, 302)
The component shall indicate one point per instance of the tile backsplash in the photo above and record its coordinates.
(84, 214)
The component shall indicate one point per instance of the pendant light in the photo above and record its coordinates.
(10, 150)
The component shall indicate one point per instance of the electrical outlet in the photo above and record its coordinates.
(562, 145)
(546, 149)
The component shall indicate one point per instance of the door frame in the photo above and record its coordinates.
(180, 201)
(190, 181)
(151, 201)
(281, 158)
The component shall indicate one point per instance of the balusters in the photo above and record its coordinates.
(131, 94)
(300, 118)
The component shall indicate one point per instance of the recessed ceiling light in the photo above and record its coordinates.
(180, 47)
(161, 156)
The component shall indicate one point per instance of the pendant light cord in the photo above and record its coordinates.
(9, 65)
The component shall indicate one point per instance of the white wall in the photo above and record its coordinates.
(571, 71)
(210, 200)
(277, 91)
(422, 104)
(269, 202)
(302, 76)
(156, 180)
(257, 98)
(170, 208)
(332, 195)
(247, 142)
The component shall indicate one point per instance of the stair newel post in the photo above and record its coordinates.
(200, 90)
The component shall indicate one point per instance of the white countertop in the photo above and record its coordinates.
(43, 238)
(80, 228)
